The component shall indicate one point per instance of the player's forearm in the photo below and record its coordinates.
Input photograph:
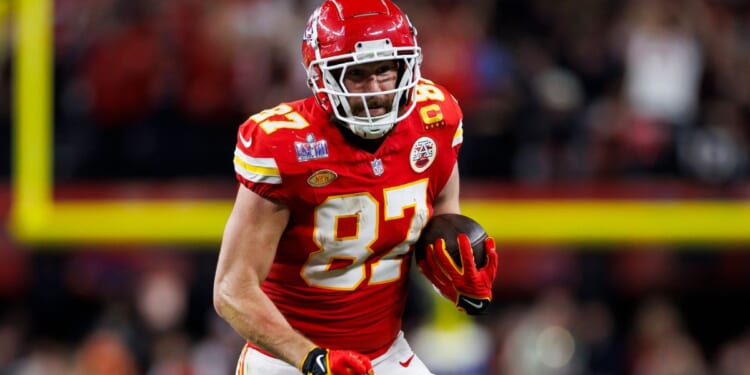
(257, 319)
(447, 201)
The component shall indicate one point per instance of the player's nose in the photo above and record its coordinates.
(375, 83)
(371, 83)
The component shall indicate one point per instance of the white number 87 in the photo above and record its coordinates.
(355, 250)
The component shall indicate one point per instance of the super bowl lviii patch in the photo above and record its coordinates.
(311, 148)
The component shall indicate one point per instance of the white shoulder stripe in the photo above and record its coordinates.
(254, 169)
(256, 177)
(258, 162)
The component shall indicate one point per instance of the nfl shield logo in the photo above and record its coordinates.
(377, 167)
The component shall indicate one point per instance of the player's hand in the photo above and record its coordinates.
(321, 361)
(432, 271)
(469, 288)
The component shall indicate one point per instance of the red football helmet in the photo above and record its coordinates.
(342, 33)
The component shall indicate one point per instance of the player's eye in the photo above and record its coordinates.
(386, 67)
(356, 74)
(380, 70)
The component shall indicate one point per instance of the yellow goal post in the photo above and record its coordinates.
(36, 217)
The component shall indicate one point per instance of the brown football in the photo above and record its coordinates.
(448, 226)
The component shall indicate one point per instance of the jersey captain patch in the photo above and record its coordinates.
(423, 153)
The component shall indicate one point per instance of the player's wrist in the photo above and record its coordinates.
(473, 305)
(321, 361)
(315, 362)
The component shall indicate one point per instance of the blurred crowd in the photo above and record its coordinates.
(148, 311)
(552, 91)
(96, 313)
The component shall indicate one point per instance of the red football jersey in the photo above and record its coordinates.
(342, 263)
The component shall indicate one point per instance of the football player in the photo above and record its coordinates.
(334, 191)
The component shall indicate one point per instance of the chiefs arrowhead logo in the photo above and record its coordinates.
(422, 154)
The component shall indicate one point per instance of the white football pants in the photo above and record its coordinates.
(398, 360)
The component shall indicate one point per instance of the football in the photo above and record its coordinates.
(448, 226)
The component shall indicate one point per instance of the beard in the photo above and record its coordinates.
(373, 103)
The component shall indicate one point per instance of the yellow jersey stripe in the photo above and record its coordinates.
(259, 162)
(254, 169)
(241, 362)
(458, 137)
(269, 175)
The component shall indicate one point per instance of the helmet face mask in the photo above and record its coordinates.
(345, 33)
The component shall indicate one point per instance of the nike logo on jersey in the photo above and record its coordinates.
(407, 362)
(246, 142)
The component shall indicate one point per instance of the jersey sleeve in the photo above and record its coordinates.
(450, 118)
(255, 164)
(451, 115)
(458, 127)
(442, 118)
